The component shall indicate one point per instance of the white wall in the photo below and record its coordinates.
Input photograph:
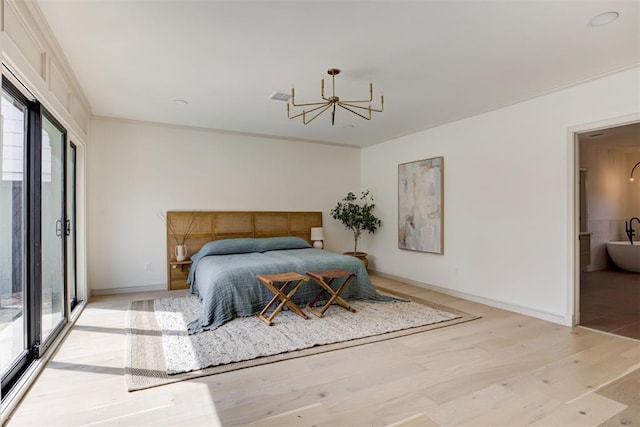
(30, 51)
(138, 170)
(508, 209)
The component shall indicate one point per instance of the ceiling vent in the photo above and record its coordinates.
(279, 96)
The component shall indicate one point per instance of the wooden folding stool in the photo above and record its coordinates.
(279, 293)
(325, 278)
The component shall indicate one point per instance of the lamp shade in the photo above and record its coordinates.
(317, 233)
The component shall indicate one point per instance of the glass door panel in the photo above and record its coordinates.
(71, 227)
(13, 307)
(53, 227)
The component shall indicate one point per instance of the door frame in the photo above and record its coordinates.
(574, 213)
(72, 243)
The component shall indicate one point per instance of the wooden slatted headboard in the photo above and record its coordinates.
(216, 225)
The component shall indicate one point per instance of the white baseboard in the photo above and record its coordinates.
(129, 289)
(550, 317)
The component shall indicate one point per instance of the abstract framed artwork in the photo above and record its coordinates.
(421, 205)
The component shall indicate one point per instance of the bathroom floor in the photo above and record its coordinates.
(610, 302)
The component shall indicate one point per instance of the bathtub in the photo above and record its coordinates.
(625, 255)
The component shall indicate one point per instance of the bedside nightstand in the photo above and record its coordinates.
(181, 264)
(178, 272)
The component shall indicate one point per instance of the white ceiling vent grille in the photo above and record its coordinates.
(279, 96)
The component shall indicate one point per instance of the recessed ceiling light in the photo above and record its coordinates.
(180, 102)
(603, 19)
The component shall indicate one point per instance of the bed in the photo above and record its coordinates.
(223, 276)
(220, 225)
(228, 249)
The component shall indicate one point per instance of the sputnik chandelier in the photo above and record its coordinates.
(332, 102)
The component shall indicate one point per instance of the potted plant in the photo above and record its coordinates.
(180, 238)
(356, 214)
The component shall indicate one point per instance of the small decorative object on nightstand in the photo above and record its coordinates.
(317, 236)
(181, 252)
(180, 238)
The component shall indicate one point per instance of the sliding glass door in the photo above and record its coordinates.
(13, 306)
(53, 226)
(34, 227)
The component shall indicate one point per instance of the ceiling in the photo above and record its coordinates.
(435, 61)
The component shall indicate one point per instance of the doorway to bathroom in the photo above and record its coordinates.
(609, 288)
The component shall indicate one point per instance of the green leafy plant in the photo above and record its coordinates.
(356, 214)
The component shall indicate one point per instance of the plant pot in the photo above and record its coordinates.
(362, 256)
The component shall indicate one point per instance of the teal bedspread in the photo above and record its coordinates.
(228, 288)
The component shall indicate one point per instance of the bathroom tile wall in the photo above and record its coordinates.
(611, 199)
(603, 231)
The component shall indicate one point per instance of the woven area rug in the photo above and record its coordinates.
(159, 351)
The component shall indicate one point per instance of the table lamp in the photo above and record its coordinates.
(317, 236)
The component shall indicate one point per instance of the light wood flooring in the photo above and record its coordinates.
(504, 369)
